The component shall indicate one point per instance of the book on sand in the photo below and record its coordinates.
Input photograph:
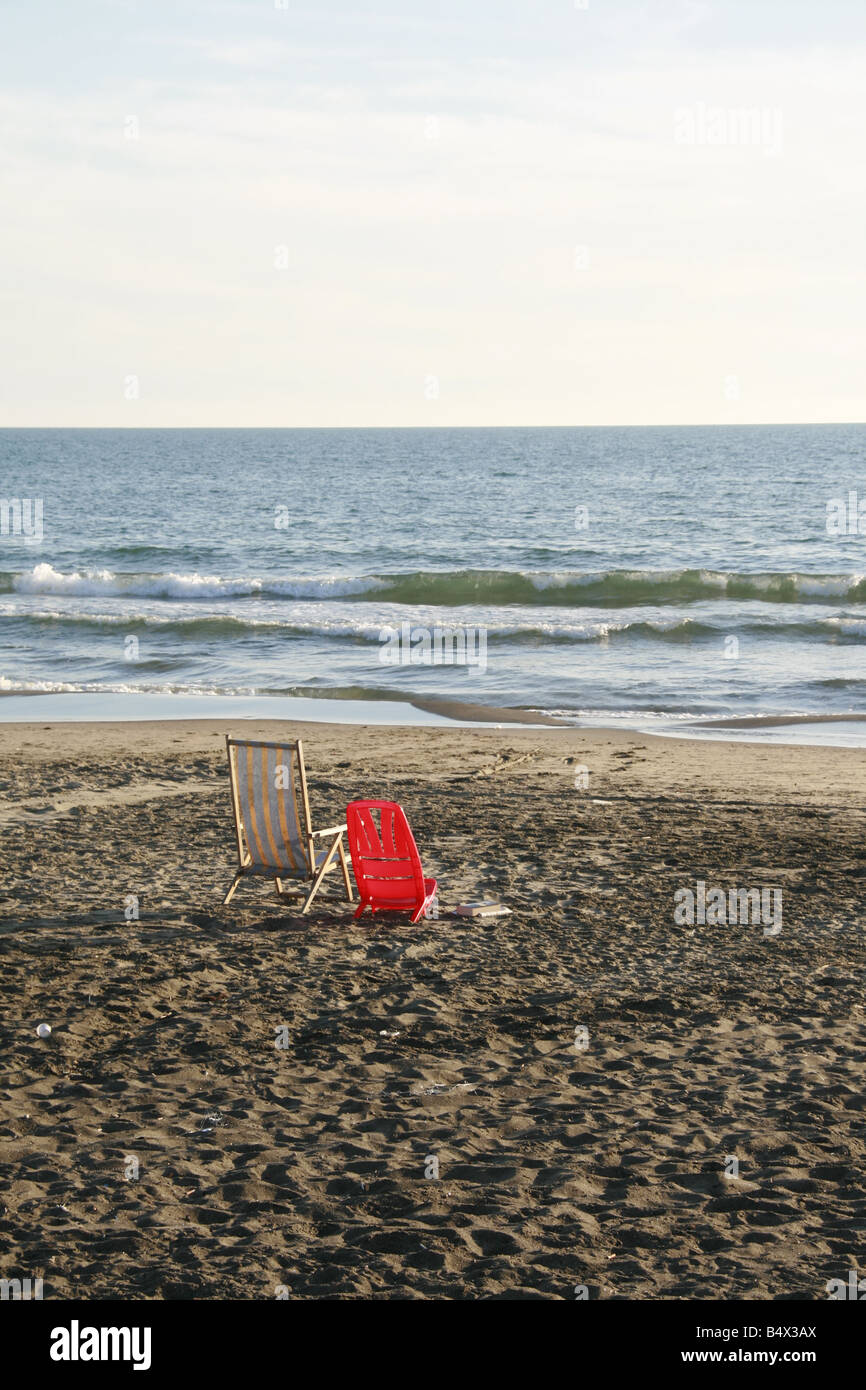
(487, 908)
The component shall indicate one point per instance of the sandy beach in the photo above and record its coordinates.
(160, 1145)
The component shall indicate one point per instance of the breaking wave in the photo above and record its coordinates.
(570, 588)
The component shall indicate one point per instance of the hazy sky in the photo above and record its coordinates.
(455, 212)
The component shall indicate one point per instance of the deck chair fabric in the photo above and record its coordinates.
(274, 830)
(385, 860)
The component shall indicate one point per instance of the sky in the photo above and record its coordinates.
(266, 213)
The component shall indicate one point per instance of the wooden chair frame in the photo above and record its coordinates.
(316, 865)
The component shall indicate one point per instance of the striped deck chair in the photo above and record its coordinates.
(275, 835)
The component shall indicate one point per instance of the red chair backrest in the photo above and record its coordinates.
(385, 858)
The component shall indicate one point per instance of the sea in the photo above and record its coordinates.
(700, 580)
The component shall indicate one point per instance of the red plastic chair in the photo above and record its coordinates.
(386, 861)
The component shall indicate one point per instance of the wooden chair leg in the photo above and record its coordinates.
(321, 874)
(313, 891)
(230, 894)
(344, 866)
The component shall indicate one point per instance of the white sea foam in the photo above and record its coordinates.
(43, 687)
(45, 579)
(331, 586)
(855, 627)
(829, 586)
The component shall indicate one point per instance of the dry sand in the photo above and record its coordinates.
(304, 1167)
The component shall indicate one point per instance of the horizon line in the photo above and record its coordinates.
(668, 425)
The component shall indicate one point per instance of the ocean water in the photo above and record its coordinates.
(653, 577)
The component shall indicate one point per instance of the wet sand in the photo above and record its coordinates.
(302, 1168)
